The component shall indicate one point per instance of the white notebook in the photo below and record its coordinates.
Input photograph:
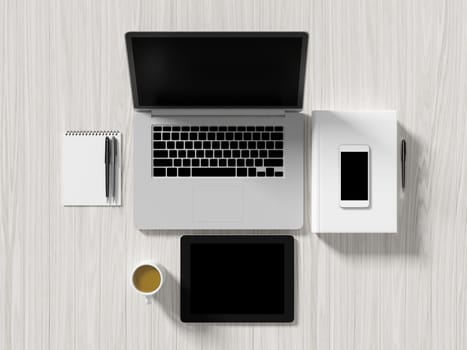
(83, 169)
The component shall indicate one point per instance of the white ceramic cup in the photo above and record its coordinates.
(148, 295)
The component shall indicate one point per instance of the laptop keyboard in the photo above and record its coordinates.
(218, 151)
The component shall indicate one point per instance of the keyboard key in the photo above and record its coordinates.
(252, 172)
(231, 162)
(250, 128)
(182, 153)
(229, 136)
(160, 154)
(263, 153)
(158, 144)
(209, 154)
(172, 172)
(278, 128)
(198, 144)
(258, 162)
(166, 128)
(265, 136)
(275, 162)
(213, 128)
(158, 172)
(175, 128)
(195, 162)
(242, 145)
(175, 136)
(204, 162)
(222, 128)
(202, 136)
(233, 144)
(211, 136)
(186, 162)
(184, 136)
(213, 162)
(194, 128)
(213, 172)
(279, 145)
(251, 144)
(278, 174)
(256, 136)
(261, 174)
(269, 145)
(218, 153)
(207, 145)
(191, 153)
(269, 172)
(162, 162)
(261, 145)
(220, 136)
(249, 162)
(241, 162)
(157, 128)
(170, 145)
(276, 154)
(189, 144)
(227, 154)
(179, 145)
(238, 136)
(216, 144)
(225, 144)
(277, 136)
(236, 153)
(204, 128)
(254, 154)
(173, 154)
(269, 128)
(193, 136)
(222, 162)
(241, 171)
(177, 162)
(245, 153)
(166, 136)
(185, 128)
(184, 171)
(241, 128)
(156, 136)
(260, 128)
(232, 128)
(247, 136)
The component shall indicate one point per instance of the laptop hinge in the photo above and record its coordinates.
(218, 112)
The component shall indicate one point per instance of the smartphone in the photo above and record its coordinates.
(354, 176)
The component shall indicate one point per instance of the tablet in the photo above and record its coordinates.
(237, 278)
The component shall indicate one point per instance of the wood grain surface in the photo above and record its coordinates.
(64, 272)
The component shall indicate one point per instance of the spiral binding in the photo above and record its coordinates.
(92, 133)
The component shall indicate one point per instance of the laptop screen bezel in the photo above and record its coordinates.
(186, 243)
(301, 82)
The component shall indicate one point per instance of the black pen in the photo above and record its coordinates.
(403, 158)
(114, 169)
(107, 166)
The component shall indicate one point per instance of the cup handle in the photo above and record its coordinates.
(148, 299)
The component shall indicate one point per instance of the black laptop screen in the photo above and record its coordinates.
(196, 71)
(237, 278)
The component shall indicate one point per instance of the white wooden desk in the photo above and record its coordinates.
(64, 271)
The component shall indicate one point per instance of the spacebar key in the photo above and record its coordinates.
(213, 172)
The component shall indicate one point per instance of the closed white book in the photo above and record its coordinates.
(333, 130)
(84, 169)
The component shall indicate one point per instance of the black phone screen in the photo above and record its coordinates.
(354, 176)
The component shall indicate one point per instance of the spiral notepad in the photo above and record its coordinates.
(83, 169)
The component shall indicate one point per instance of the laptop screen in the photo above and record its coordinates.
(217, 70)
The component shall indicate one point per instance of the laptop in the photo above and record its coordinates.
(218, 134)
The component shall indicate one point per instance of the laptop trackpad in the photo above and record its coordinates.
(217, 203)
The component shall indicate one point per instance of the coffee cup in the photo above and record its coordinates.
(147, 279)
